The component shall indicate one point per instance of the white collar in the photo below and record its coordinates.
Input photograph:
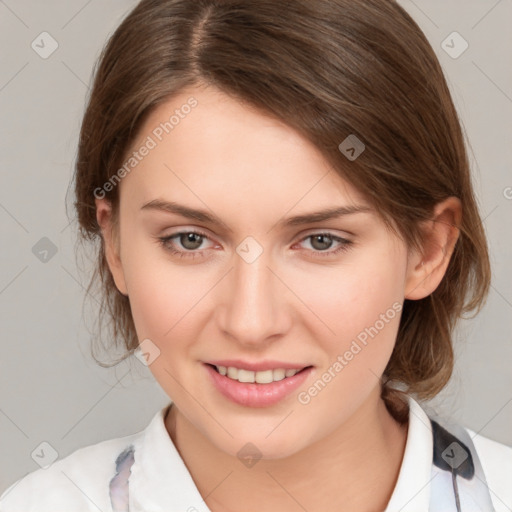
(412, 490)
(160, 481)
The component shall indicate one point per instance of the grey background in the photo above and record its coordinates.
(50, 388)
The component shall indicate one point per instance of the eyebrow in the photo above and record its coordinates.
(297, 220)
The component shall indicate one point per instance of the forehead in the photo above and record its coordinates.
(205, 142)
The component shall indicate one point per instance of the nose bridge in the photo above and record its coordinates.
(254, 303)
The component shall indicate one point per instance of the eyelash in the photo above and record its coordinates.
(164, 241)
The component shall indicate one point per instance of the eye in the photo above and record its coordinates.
(323, 241)
(190, 240)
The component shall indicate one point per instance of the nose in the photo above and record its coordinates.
(253, 307)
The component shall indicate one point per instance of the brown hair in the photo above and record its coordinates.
(329, 69)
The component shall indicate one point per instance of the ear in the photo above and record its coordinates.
(426, 268)
(111, 243)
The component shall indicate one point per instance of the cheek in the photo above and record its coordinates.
(354, 292)
(359, 307)
(163, 303)
(360, 300)
(166, 298)
(160, 292)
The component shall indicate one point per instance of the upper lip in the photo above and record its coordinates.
(257, 366)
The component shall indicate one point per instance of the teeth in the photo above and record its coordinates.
(263, 377)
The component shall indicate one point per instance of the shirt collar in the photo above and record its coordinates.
(412, 490)
(160, 480)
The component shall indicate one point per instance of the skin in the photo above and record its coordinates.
(290, 304)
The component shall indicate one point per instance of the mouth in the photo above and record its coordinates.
(256, 377)
(256, 388)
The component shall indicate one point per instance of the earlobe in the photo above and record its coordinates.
(111, 244)
(426, 268)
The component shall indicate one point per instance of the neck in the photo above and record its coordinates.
(355, 468)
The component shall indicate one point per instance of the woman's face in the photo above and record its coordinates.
(254, 286)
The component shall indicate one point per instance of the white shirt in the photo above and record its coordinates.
(160, 482)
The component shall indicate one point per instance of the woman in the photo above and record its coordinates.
(288, 234)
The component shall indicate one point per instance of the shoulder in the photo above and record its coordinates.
(80, 479)
(496, 460)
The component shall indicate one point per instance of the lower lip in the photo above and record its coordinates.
(257, 395)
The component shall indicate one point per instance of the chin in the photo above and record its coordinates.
(251, 449)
